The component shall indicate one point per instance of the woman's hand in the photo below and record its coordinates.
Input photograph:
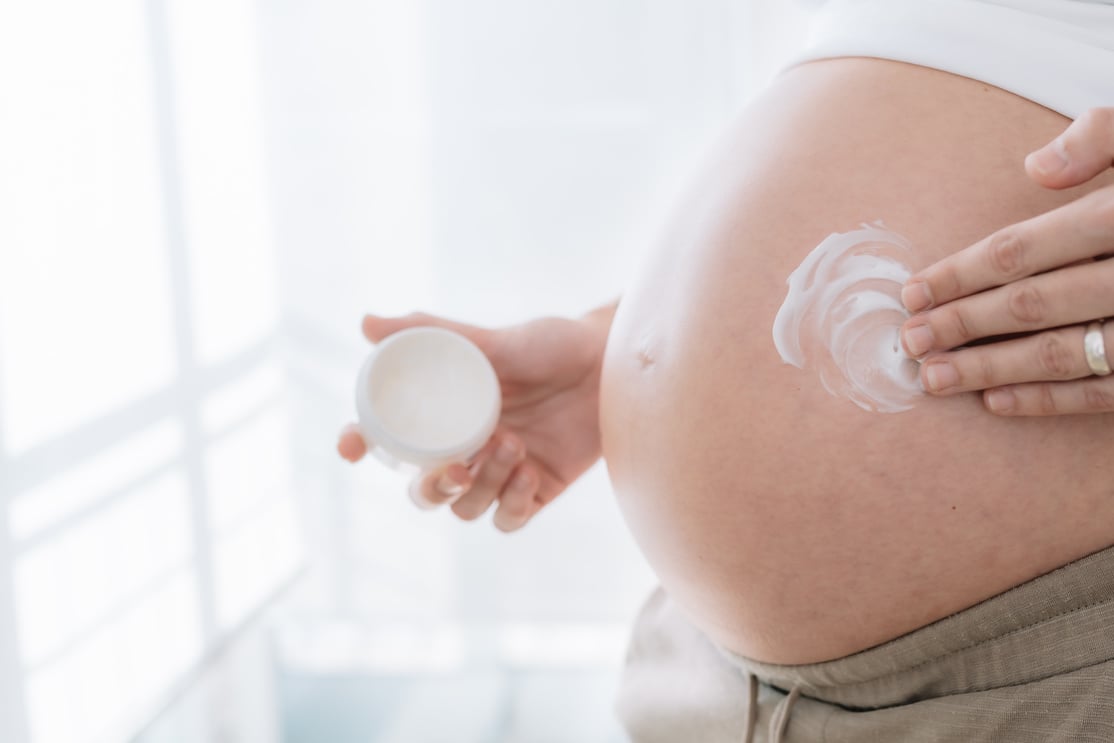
(548, 432)
(1048, 278)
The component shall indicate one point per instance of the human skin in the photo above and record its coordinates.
(790, 525)
(1043, 373)
(548, 431)
(1044, 278)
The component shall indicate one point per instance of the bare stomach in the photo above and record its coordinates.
(791, 525)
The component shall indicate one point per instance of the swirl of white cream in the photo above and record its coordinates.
(843, 313)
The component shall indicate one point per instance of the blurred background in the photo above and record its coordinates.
(199, 200)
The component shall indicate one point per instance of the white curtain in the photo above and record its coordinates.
(198, 202)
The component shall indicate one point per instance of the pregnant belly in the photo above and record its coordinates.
(791, 525)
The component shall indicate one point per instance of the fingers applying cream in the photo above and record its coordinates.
(842, 314)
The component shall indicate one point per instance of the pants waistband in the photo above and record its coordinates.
(1056, 623)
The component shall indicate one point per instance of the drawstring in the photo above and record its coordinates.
(778, 722)
(752, 708)
(780, 719)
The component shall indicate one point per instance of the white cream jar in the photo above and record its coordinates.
(427, 396)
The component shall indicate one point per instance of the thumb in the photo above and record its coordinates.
(376, 328)
(1085, 149)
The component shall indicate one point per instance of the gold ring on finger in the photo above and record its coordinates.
(1094, 348)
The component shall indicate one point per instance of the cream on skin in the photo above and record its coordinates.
(842, 317)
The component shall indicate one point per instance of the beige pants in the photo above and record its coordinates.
(1032, 665)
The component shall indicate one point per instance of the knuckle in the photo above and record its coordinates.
(486, 478)
(1026, 304)
(492, 476)
(984, 374)
(1098, 396)
(494, 473)
(1056, 359)
(1046, 399)
(1006, 253)
(947, 282)
(961, 325)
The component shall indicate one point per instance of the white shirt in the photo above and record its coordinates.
(1059, 53)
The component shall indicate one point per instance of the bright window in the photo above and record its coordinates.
(142, 404)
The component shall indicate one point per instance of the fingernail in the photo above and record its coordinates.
(918, 340)
(448, 487)
(1050, 159)
(916, 296)
(507, 453)
(1000, 401)
(941, 375)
